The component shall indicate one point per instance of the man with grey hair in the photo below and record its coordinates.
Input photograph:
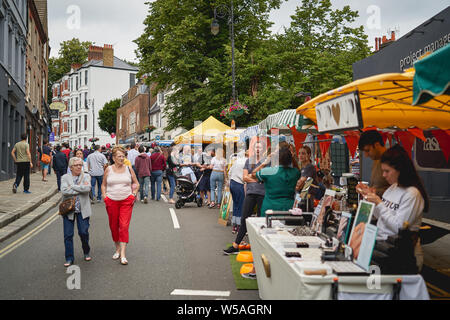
(97, 163)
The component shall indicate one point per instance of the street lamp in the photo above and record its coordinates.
(91, 103)
(221, 13)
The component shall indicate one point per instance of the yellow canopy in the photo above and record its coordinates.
(386, 101)
(209, 131)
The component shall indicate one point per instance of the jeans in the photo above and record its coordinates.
(83, 232)
(156, 178)
(250, 201)
(216, 179)
(23, 170)
(238, 195)
(172, 185)
(144, 182)
(99, 180)
(59, 174)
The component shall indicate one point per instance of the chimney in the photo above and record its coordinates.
(95, 53)
(376, 44)
(75, 66)
(108, 55)
(393, 36)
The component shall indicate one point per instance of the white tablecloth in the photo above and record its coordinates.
(287, 282)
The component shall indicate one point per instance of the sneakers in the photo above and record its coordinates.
(145, 200)
(249, 275)
(14, 188)
(27, 192)
(231, 250)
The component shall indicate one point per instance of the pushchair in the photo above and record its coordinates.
(187, 191)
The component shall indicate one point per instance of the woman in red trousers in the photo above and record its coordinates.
(119, 189)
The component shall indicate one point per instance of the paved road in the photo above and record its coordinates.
(161, 258)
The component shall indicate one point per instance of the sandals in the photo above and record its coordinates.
(68, 264)
(87, 257)
(116, 256)
(123, 261)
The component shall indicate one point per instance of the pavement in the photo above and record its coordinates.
(18, 210)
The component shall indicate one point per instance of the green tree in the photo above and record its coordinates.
(314, 54)
(71, 52)
(178, 51)
(107, 116)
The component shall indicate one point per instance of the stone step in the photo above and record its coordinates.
(20, 221)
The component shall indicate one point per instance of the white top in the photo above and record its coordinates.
(132, 155)
(399, 205)
(237, 170)
(118, 186)
(218, 164)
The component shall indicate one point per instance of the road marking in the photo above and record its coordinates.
(176, 225)
(164, 198)
(28, 236)
(184, 292)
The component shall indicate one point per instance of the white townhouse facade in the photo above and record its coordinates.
(85, 90)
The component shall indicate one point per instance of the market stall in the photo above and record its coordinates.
(209, 131)
(312, 256)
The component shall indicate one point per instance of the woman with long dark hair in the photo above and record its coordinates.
(404, 201)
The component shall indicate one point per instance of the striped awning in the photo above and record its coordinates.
(282, 120)
(248, 133)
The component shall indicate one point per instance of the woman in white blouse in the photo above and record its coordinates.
(218, 175)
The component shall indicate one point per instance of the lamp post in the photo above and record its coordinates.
(91, 103)
(215, 30)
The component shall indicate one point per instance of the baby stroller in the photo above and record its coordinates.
(187, 191)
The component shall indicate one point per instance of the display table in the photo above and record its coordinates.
(285, 279)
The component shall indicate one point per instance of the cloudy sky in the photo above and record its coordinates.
(119, 22)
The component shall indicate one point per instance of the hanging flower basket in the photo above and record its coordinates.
(149, 128)
(234, 111)
(94, 139)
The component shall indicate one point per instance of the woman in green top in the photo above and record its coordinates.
(279, 181)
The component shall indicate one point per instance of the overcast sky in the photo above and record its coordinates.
(119, 22)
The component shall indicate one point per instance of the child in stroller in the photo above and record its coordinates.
(186, 188)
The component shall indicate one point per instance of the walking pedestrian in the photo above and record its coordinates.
(143, 166)
(119, 188)
(60, 165)
(236, 186)
(254, 194)
(76, 184)
(96, 164)
(23, 162)
(170, 171)
(133, 153)
(79, 154)
(158, 165)
(218, 175)
(46, 159)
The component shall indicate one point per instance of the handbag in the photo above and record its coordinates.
(46, 159)
(68, 205)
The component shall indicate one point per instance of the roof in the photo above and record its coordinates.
(118, 64)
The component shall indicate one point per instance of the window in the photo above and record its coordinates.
(76, 83)
(2, 40)
(85, 123)
(120, 122)
(76, 125)
(86, 77)
(132, 123)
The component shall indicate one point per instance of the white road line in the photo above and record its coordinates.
(164, 198)
(176, 225)
(184, 292)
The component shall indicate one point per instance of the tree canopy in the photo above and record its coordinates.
(107, 116)
(178, 51)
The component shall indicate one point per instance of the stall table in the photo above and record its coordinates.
(284, 278)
